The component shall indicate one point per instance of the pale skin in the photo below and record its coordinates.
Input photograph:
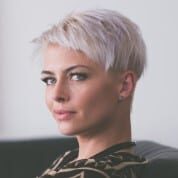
(84, 99)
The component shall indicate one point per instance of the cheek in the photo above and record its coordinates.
(97, 100)
(102, 100)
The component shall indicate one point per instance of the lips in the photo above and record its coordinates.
(63, 115)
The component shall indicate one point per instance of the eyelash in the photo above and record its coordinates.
(79, 74)
(47, 79)
(52, 80)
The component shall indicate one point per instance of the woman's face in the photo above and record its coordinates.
(80, 94)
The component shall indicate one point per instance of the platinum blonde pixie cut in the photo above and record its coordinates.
(105, 36)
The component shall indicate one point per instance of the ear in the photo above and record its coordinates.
(127, 84)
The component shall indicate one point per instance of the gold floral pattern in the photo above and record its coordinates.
(113, 162)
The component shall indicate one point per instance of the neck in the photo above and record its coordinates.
(89, 145)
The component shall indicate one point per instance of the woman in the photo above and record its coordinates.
(92, 61)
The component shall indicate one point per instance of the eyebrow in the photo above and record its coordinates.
(66, 70)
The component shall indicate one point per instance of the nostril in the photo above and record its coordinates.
(61, 99)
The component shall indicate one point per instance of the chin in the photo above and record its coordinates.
(67, 131)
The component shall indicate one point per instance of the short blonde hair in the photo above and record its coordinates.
(103, 35)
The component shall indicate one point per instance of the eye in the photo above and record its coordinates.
(49, 80)
(78, 76)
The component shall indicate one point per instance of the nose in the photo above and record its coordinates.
(60, 92)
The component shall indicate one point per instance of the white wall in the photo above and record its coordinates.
(23, 113)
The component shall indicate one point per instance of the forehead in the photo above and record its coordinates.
(55, 55)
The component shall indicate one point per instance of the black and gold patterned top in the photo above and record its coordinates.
(114, 162)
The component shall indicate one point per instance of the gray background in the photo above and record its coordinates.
(23, 114)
